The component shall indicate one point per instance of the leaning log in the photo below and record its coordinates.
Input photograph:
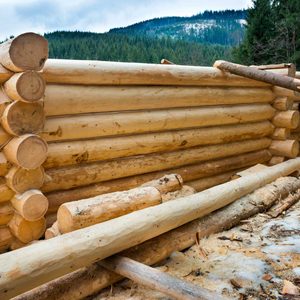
(78, 152)
(75, 176)
(75, 99)
(28, 51)
(157, 280)
(260, 75)
(110, 124)
(58, 256)
(115, 73)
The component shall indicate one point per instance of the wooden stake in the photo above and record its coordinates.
(28, 86)
(101, 125)
(28, 51)
(260, 75)
(79, 152)
(75, 176)
(20, 118)
(68, 252)
(91, 279)
(287, 148)
(31, 205)
(28, 151)
(27, 231)
(21, 180)
(157, 280)
(287, 119)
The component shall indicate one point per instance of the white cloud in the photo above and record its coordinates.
(96, 15)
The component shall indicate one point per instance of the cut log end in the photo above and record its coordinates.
(287, 148)
(31, 205)
(21, 118)
(65, 221)
(28, 51)
(28, 151)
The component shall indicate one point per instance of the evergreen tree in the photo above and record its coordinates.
(260, 31)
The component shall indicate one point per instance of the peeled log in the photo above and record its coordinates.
(31, 205)
(74, 176)
(282, 92)
(4, 164)
(4, 137)
(52, 231)
(261, 75)
(27, 86)
(275, 160)
(75, 99)
(20, 118)
(6, 213)
(188, 173)
(83, 213)
(77, 152)
(283, 103)
(61, 255)
(21, 180)
(89, 72)
(28, 151)
(287, 148)
(27, 231)
(101, 125)
(5, 238)
(288, 119)
(28, 51)
(281, 134)
(5, 192)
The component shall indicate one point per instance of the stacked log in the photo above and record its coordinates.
(23, 205)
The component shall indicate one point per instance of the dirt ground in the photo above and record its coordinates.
(260, 259)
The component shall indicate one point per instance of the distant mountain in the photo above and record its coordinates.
(211, 27)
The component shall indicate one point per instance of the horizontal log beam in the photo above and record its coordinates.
(61, 255)
(287, 119)
(74, 176)
(76, 99)
(283, 103)
(108, 124)
(78, 152)
(116, 73)
(287, 148)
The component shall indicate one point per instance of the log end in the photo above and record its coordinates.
(287, 148)
(28, 51)
(65, 220)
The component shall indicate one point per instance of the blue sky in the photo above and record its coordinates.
(96, 15)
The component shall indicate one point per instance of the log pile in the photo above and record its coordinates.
(23, 205)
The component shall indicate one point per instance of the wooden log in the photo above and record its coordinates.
(28, 151)
(74, 176)
(283, 103)
(281, 134)
(288, 69)
(6, 213)
(205, 183)
(4, 74)
(282, 92)
(52, 231)
(31, 205)
(101, 125)
(157, 280)
(83, 213)
(66, 253)
(275, 160)
(28, 51)
(27, 231)
(188, 173)
(78, 152)
(91, 279)
(164, 61)
(75, 99)
(296, 106)
(20, 118)
(21, 180)
(5, 238)
(5, 192)
(287, 148)
(115, 73)
(287, 119)
(27, 86)
(4, 137)
(260, 75)
(50, 219)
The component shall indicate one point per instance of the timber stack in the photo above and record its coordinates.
(111, 126)
(23, 150)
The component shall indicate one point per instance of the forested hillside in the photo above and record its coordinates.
(132, 48)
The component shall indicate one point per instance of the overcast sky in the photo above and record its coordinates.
(17, 16)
